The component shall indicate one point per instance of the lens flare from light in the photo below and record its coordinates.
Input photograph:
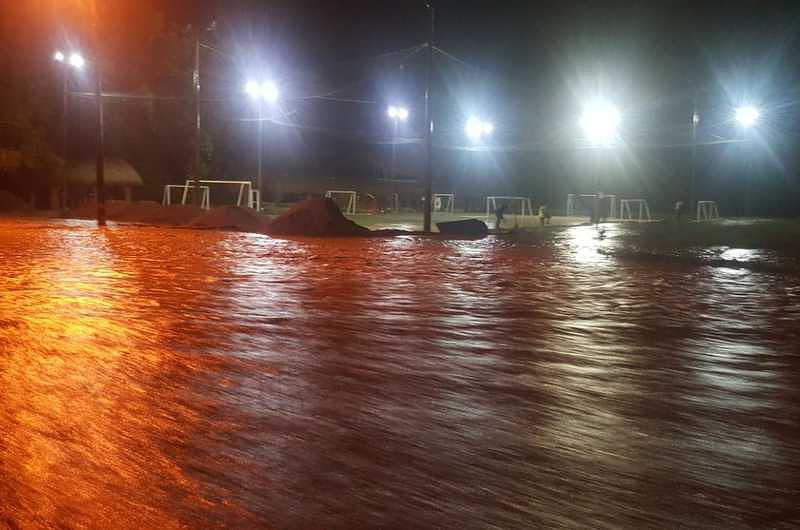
(600, 121)
(76, 60)
(747, 115)
(476, 128)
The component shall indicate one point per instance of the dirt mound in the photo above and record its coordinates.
(232, 218)
(150, 212)
(11, 203)
(88, 210)
(315, 217)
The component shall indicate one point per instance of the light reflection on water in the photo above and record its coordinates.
(171, 378)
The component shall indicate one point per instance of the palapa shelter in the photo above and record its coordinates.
(81, 180)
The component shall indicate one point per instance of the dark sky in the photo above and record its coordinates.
(529, 68)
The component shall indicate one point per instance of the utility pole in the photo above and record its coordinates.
(64, 134)
(260, 149)
(196, 100)
(429, 124)
(695, 121)
(98, 95)
(100, 169)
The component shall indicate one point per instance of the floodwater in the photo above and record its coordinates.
(168, 378)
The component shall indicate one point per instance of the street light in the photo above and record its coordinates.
(397, 113)
(747, 115)
(77, 62)
(261, 91)
(600, 121)
(477, 128)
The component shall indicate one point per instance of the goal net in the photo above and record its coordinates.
(511, 205)
(345, 199)
(443, 202)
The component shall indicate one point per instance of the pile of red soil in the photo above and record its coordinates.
(231, 218)
(149, 212)
(88, 210)
(145, 212)
(315, 217)
(11, 203)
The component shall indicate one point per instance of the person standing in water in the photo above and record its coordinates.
(544, 215)
(498, 214)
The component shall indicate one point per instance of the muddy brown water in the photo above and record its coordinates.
(168, 378)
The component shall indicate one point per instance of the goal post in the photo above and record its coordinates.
(577, 205)
(494, 201)
(443, 202)
(244, 197)
(205, 194)
(629, 207)
(348, 198)
(707, 210)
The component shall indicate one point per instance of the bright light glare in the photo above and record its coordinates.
(59, 56)
(747, 115)
(268, 91)
(477, 128)
(600, 121)
(76, 60)
(398, 113)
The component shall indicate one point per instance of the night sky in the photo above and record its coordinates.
(526, 66)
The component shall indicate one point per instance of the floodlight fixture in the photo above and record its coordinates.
(600, 121)
(76, 60)
(59, 56)
(265, 91)
(397, 113)
(747, 115)
(477, 128)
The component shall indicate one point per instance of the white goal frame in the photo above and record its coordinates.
(491, 204)
(707, 210)
(625, 212)
(447, 200)
(205, 195)
(612, 209)
(352, 199)
(246, 196)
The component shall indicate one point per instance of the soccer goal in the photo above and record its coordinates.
(515, 205)
(205, 191)
(346, 199)
(245, 196)
(707, 210)
(581, 205)
(627, 208)
(443, 202)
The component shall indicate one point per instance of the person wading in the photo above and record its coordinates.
(498, 214)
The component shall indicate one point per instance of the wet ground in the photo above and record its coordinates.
(168, 378)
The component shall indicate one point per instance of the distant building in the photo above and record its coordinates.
(81, 179)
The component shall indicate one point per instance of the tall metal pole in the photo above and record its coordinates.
(429, 125)
(100, 168)
(260, 147)
(695, 120)
(64, 133)
(98, 94)
(197, 132)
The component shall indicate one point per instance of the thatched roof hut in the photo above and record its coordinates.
(118, 173)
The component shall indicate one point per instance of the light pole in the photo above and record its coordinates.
(600, 122)
(261, 92)
(74, 60)
(747, 116)
(397, 114)
(429, 122)
(692, 184)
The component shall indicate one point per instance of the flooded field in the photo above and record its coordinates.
(168, 378)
